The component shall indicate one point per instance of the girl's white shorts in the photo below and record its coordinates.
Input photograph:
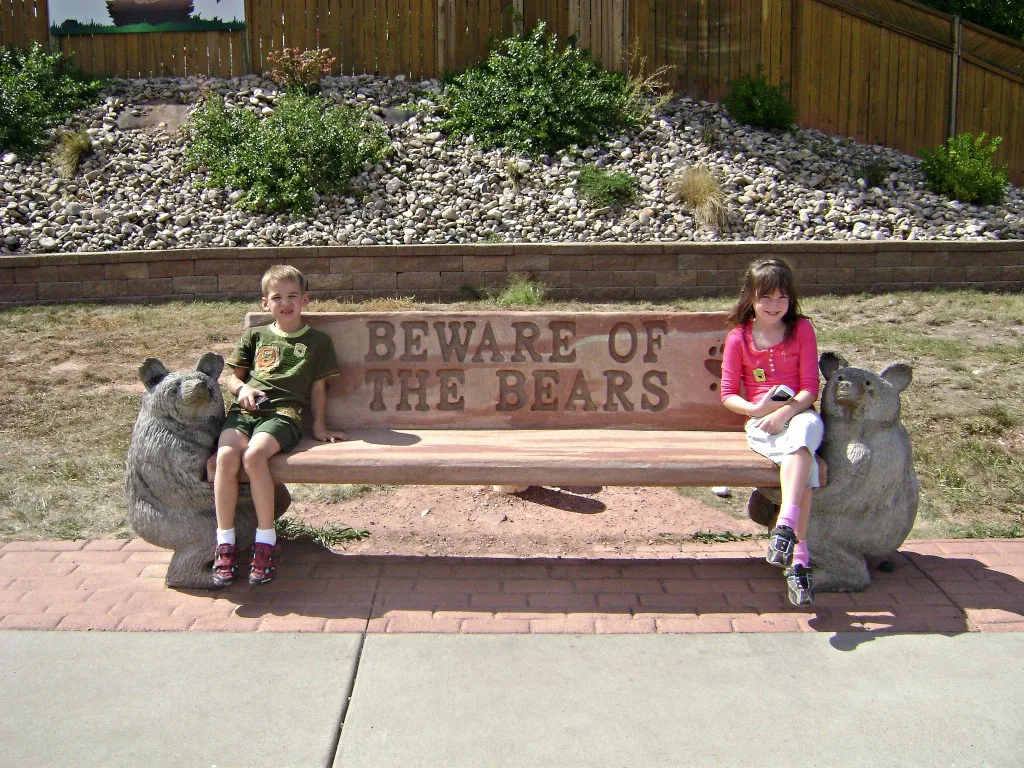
(805, 430)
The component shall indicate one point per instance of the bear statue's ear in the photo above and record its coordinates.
(830, 362)
(152, 372)
(899, 375)
(211, 364)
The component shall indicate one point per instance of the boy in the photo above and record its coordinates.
(278, 370)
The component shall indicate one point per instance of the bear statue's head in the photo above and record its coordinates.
(859, 394)
(191, 398)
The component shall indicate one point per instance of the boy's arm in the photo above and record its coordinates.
(318, 407)
(242, 392)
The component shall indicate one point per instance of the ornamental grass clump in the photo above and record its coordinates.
(534, 96)
(72, 146)
(38, 90)
(307, 148)
(963, 169)
(699, 189)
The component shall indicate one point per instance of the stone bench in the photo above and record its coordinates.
(526, 398)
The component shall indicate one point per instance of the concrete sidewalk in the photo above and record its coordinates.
(364, 661)
(452, 701)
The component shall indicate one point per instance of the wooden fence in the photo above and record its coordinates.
(886, 72)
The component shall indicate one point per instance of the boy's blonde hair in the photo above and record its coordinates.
(283, 273)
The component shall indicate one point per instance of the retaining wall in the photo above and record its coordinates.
(586, 271)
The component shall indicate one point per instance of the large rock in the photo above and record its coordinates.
(869, 503)
(170, 502)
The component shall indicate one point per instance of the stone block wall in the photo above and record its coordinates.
(585, 271)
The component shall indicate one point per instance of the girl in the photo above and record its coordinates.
(771, 353)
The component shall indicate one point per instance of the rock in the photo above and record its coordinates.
(47, 243)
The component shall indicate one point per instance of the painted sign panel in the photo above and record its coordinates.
(93, 17)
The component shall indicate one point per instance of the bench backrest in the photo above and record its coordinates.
(550, 370)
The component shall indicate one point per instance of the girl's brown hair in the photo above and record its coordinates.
(763, 278)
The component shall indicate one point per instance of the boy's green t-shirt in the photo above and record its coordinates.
(285, 365)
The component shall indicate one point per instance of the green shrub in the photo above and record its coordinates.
(531, 97)
(754, 101)
(307, 147)
(963, 169)
(37, 91)
(603, 188)
(521, 291)
(300, 70)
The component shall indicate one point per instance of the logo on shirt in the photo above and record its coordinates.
(267, 358)
(759, 375)
(300, 350)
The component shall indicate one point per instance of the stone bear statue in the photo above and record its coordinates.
(170, 501)
(869, 502)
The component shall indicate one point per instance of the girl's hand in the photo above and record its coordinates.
(765, 405)
(328, 436)
(773, 423)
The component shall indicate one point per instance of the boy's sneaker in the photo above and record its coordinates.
(780, 546)
(798, 583)
(263, 566)
(225, 564)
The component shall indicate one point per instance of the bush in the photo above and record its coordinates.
(533, 98)
(306, 148)
(754, 101)
(297, 70)
(698, 188)
(603, 188)
(963, 169)
(37, 91)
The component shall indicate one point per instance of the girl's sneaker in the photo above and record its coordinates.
(263, 566)
(780, 546)
(798, 583)
(225, 564)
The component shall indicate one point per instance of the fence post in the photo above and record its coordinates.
(441, 25)
(954, 88)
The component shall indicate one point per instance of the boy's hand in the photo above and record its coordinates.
(247, 397)
(328, 435)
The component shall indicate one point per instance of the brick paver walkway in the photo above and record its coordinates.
(938, 586)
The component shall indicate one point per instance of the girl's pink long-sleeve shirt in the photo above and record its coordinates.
(793, 362)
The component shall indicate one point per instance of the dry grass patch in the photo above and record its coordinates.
(701, 191)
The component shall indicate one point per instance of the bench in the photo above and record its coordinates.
(526, 398)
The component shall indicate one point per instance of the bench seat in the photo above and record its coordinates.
(554, 457)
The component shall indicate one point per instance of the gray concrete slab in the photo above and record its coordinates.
(680, 700)
(109, 699)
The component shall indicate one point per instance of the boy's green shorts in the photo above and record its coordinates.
(283, 429)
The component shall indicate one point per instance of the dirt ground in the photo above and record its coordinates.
(479, 521)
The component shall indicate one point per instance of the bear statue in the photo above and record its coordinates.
(170, 501)
(869, 502)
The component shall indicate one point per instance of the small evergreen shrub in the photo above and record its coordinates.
(963, 169)
(698, 188)
(754, 101)
(300, 70)
(531, 97)
(306, 148)
(37, 91)
(72, 146)
(602, 188)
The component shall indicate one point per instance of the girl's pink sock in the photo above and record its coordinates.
(789, 515)
(801, 554)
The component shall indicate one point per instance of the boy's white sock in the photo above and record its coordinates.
(226, 536)
(266, 536)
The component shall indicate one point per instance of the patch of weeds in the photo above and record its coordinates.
(874, 169)
(602, 188)
(298, 70)
(755, 101)
(521, 291)
(709, 136)
(390, 304)
(718, 537)
(466, 292)
(494, 237)
(963, 169)
(326, 535)
(71, 147)
(701, 190)
(328, 493)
